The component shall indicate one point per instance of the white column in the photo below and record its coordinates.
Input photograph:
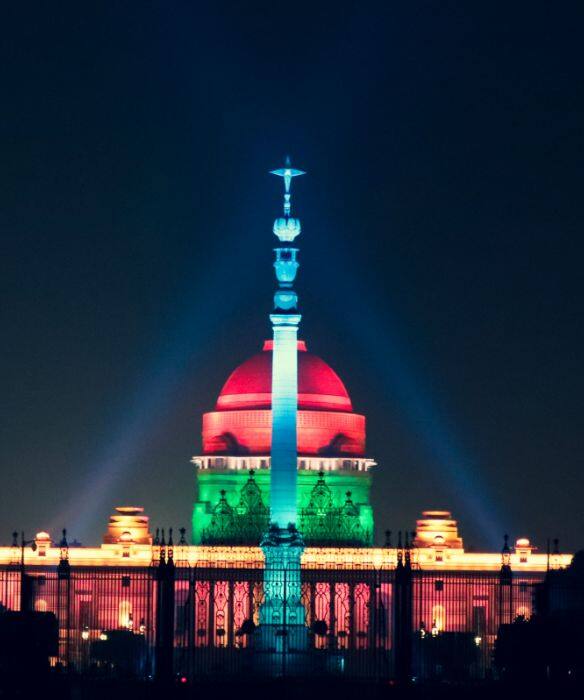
(284, 417)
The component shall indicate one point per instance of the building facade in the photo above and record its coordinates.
(233, 473)
(281, 574)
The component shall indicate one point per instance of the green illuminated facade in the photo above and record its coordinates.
(333, 506)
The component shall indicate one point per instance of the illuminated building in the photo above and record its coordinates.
(237, 439)
(283, 539)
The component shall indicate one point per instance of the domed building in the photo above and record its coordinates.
(283, 465)
(334, 477)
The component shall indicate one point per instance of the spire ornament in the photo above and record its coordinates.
(282, 544)
(285, 320)
(287, 173)
(286, 229)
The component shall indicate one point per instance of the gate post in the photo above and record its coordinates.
(63, 602)
(165, 575)
(505, 586)
(403, 614)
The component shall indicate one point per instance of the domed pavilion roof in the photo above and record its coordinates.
(241, 422)
(250, 385)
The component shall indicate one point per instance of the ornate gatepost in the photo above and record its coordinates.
(282, 625)
(64, 600)
(505, 585)
(164, 641)
(403, 606)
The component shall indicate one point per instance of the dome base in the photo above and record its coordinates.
(244, 432)
(221, 484)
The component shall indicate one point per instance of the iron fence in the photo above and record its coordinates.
(346, 627)
(206, 621)
(456, 619)
(106, 616)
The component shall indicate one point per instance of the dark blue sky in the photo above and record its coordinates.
(441, 261)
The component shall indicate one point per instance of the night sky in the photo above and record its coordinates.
(441, 267)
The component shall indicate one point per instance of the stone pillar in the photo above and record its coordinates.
(284, 462)
(403, 605)
(505, 586)
(64, 600)
(282, 624)
(165, 575)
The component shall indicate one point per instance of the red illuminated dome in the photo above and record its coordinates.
(250, 385)
(241, 422)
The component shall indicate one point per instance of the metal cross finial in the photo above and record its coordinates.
(287, 172)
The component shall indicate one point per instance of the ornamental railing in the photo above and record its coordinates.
(172, 620)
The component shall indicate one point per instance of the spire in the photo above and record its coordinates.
(282, 544)
(285, 320)
(287, 173)
(286, 229)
